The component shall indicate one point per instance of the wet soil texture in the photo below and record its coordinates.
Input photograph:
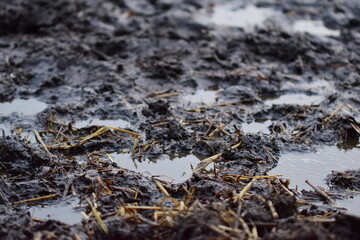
(158, 119)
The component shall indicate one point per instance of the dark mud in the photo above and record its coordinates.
(98, 79)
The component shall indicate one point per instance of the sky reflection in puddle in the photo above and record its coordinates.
(201, 96)
(23, 106)
(257, 126)
(232, 14)
(295, 98)
(177, 167)
(119, 123)
(314, 167)
(63, 212)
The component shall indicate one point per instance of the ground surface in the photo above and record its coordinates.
(135, 61)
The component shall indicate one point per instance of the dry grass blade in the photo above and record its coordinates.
(126, 131)
(244, 190)
(38, 137)
(162, 189)
(204, 163)
(220, 128)
(95, 134)
(34, 199)
(355, 127)
(97, 216)
(236, 177)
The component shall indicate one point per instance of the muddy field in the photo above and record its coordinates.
(183, 119)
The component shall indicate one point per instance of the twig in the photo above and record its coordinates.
(286, 189)
(38, 137)
(274, 214)
(321, 192)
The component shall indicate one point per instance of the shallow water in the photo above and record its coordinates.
(257, 126)
(119, 123)
(314, 27)
(175, 168)
(314, 167)
(4, 128)
(23, 106)
(231, 14)
(63, 212)
(201, 96)
(9, 130)
(295, 98)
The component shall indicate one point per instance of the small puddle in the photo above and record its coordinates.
(4, 129)
(23, 106)
(63, 212)
(314, 27)
(201, 96)
(237, 16)
(119, 123)
(257, 126)
(314, 167)
(10, 130)
(295, 98)
(232, 14)
(175, 168)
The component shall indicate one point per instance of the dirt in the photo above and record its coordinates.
(135, 61)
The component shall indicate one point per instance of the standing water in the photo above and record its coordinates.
(314, 167)
(23, 106)
(168, 168)
(233, 15)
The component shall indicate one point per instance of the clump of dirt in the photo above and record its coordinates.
(17, 157)
(349, 179)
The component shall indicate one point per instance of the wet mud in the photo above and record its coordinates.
(179, 119)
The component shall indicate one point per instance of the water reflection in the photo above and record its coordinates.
(257, 126)
(63, 212)
(119, 123)
(201, 96)
(176, 168)
(295, 98)
(314, 27)
(23, 106)
(314, 167)
(235, 16)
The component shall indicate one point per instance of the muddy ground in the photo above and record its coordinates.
(135, 61)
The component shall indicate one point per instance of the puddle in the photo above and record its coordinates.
(119, 123)
(63, 212)
(9, 130)
(201, 96)
(315, 28)
(257, 126)
(314, 167)
(4, 128)
(295, 98)
(176, 168)
(352, 205)
(23, 106)
(235, 16)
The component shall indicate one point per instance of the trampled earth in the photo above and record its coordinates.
(183, 119)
